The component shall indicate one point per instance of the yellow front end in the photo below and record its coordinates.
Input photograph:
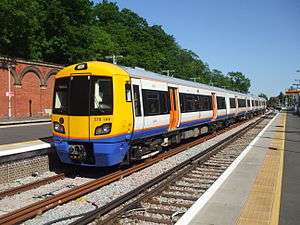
(93, 130)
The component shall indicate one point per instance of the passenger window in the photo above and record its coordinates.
(137, 100)
(221, 103)
(155, 102)
(242, 103)
(232, 103)
(205, 102)
(151, 102)
(164, 103)
(128, 92)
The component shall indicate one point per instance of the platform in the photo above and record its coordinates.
(261, 187)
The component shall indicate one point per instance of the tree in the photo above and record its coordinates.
(262, 95)
(239, 81)
(70, 31)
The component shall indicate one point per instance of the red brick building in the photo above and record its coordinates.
(31, 88)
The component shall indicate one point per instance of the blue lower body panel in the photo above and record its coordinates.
(104, 153)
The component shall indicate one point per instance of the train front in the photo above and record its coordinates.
(92, 114)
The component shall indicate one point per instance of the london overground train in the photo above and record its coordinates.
(105, 114)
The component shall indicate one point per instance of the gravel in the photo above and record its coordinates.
(14, 202)
(110, 192)
(26, 180)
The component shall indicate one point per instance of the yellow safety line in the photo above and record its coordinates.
(263, 203)
(276, 204)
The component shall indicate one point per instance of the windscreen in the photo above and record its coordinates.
(83, 96)
(79, 96)
(61, 96)
(101, 96)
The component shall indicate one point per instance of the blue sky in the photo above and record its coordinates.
(260, 38)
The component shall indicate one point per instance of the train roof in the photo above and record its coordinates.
(108, 69)
(142, 73)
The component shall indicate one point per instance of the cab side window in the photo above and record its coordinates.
(137, 100)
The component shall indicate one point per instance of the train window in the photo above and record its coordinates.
(79, 96)
(128, 92)
(155, 102)
(189, 103)
(174, 99)
(232, 103)
(164, 103)
(195, 103)
(241, 103)
(60, 97)
(205, 102)
(151, 102)
(221, 102)
(101, 96)
(137, 100)
(248, 103)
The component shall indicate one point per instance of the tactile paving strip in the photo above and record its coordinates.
(263, 203)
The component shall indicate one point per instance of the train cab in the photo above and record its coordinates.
(88, 101)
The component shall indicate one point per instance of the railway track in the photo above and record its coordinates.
(37, 208)
(164, 199)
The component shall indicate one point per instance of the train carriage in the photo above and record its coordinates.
(104, 114)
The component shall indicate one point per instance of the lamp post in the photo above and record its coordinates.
(168, 72)
(9, 92)
(9, 64)
(114, 58)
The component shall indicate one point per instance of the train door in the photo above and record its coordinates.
(214, 106)
(137, 104)
(174, 108)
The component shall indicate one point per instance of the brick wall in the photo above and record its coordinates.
(11, 171)
(32, 87)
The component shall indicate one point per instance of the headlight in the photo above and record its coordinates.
(58, 128)
(103, 129)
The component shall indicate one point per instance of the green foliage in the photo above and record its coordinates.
(262, 95)
(70, 31)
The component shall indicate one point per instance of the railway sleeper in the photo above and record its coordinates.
(225, 157)
(205, 169)
(209, 164)
(163, 207)
(179, 197)
(219, 161)
(198, 188)
(197, 180)
(151, 219)
(206, 173)
(189, 191)
(204, 176)
(180, 205)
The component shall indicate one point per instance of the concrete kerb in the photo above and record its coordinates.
(20, 122)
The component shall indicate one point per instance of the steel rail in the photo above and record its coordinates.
(39, 207)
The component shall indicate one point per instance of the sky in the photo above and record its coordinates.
(260, 38)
